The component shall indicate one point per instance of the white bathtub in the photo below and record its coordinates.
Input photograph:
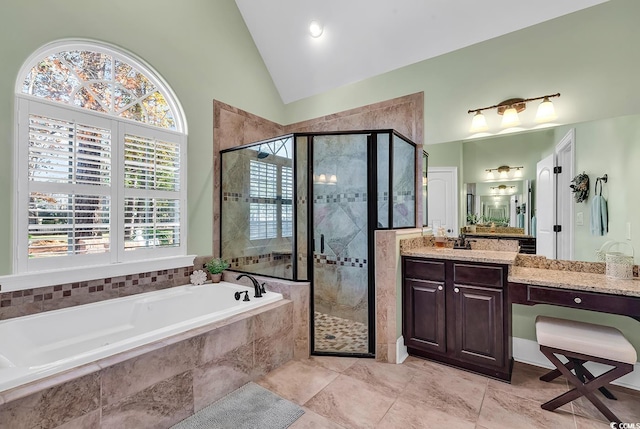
(37, 346)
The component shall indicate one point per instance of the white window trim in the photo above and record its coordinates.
(143, 261)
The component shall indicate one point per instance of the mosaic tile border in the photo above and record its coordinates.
(333, 260)
(37, 300)
(351, 197)
(243, 261)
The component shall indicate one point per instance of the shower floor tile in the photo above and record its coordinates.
(335, 334)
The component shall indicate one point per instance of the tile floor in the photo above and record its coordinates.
(335, 334)
(345, 393)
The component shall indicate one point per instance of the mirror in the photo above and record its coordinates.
(607, 146)
(500, 203)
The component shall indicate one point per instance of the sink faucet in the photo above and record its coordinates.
(258, 291)
(462, 243)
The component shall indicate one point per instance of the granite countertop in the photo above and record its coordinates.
(490, 256)
(589, 282)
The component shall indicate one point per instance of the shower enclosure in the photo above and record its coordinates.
(305, 206)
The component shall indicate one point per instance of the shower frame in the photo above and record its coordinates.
(372, 217)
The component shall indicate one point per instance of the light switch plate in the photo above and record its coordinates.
(579, 219)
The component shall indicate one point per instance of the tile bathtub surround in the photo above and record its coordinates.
(159, 384)
(362, 393)
(299, 294)
(31, 301)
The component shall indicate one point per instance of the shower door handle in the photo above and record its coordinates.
(321, 243)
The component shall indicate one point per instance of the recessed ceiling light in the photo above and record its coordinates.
(315, 29)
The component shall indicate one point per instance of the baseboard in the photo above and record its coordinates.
(527, 351)
(401, 350)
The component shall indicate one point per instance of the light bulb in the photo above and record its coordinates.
(510, 118)
(478, 123)
(333, 179)
(546, 111)
(490, 175)
(518, 173)
(315, 29)
(322, 178)
(504, 174)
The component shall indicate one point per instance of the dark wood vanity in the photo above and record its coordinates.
(457, 312)
(457, 303)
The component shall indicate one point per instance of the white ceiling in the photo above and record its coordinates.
(364, 38)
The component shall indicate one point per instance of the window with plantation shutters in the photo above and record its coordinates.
(270, 205)
(68, 178)
(99, 155)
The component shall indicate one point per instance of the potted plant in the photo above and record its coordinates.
(215, 267)
(472, 220)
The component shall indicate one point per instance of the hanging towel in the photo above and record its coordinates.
(534, 226)
(520, 220)
(599, 216)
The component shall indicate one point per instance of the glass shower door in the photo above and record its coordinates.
(339, 233)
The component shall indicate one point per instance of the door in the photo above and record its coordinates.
(545, 208)
(443, 199)
(424, 315)
(564, 200)
(478, 322)
(340, 243)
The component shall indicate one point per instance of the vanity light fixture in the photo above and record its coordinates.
(504, 171)
(315, 29)
(509, 110)
(503, 188)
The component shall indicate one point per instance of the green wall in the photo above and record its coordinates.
(610, 146)
(202, 49)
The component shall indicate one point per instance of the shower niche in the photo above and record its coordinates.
(305, 206)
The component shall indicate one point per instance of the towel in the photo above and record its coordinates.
(599, 217)
(520, 220)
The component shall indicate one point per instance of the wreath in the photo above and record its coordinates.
(580, 187)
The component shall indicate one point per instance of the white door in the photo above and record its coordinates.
(564, 200)
(443, 199)
(545, 208)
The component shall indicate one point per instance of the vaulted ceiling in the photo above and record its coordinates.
(364, 38)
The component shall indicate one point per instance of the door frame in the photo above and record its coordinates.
(456, 218)
(565, 209)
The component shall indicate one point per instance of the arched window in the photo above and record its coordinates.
(100, 156)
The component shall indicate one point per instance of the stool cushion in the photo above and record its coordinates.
(585, 338)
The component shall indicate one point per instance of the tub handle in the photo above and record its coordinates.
(238, 295)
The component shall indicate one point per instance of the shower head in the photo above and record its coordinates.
(262, 155)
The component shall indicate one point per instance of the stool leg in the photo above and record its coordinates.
(553, 374)
(586, 373)
(583, 389)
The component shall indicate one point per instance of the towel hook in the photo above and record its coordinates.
(603, 178)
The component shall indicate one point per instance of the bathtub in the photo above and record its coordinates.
(40, 345)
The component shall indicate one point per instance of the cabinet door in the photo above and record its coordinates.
(424, 315)
(479, 325)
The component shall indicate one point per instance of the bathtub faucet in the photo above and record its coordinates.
(258, 291)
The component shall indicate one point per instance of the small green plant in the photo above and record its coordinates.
(216, 265)
(473, 219)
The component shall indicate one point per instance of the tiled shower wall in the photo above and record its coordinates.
(340, 216)
(271, 256)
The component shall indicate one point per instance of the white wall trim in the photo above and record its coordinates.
(401, 350)
(528, 351)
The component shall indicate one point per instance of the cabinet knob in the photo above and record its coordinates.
(456, 290)
(439, 287)
(577, 300)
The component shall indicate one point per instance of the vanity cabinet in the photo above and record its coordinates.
(457, 312)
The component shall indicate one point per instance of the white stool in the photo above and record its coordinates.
(582, 342)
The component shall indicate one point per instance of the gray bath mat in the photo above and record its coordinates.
(249, 407)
